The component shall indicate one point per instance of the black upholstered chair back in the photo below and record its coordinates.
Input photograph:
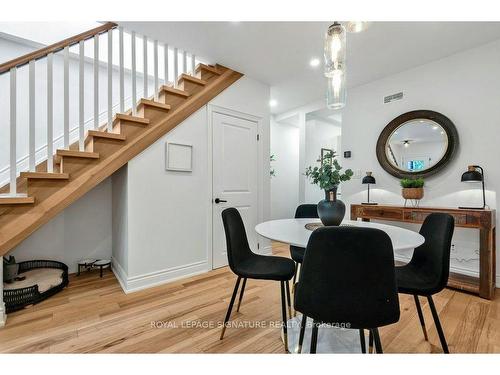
(238, 249)
(348, 277)
(307, 211)
(432, 259)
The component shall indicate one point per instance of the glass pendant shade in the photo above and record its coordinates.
(336, 91)
(335, 49)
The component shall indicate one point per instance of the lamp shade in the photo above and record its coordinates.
(472, 175)
(368, 179)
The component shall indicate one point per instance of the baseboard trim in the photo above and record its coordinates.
(119, 273)
(149, 280)
(3, 315)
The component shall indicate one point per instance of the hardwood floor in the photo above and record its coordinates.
(94, 315)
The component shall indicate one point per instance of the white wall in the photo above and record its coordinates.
(319, 134)
(285, 185)
(465, 88)
(82, 230)
(167, 233)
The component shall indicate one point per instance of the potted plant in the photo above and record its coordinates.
(328, 176)
(413, 188)
(10, 269)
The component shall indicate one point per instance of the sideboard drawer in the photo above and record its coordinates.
(460, 219)
(380, 213)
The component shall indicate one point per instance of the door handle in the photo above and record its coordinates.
(217, 200)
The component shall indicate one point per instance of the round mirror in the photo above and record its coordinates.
(417, 144)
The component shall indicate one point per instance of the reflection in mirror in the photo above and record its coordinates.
(416, 145)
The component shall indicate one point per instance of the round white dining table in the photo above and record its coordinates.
(294, 232)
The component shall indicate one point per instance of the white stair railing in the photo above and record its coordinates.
(87, 90)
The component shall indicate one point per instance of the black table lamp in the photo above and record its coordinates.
(474, 173)
(368, 179)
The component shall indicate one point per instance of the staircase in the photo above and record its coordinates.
(35, 196)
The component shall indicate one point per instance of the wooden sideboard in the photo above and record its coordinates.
(484, 220)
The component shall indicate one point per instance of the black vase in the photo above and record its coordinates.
(331, 210)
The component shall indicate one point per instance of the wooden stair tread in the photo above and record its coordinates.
(107, 135)
(17, 222)
(78, 154)
(173, 90)
(185, 77)
(208, 68)
(45, 175)
(154, 104)
(17, 200)
(139, 120)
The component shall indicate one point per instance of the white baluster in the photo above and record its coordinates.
(156, 69)
(110, 80)
(165, 52)
(81, 96)
(145, 43)
(13, 124)
(50, 114)
(32, 115)
(122, 73)
(193, 64)
(184, 62)
(96, 81)
(134, 77)
(66, 97)
(176, 66)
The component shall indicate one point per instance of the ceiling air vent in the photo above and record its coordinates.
(393, 97)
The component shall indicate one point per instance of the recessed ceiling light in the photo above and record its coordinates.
(314, 62)
(273, 103)
(435, 127)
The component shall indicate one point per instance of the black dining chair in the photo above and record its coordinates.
(303, 211)
(348, 277)
(248, 265)
(427, 272)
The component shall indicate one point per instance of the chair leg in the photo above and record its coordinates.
(294, 286)
(303, 323)
(283, 311)
(289, 300)
(230, 307)
(295, 277)
(314, 337)
(362, 340)
(421, 317)
(241, 293)
(370, 341)
(435, 315)
(376, 338)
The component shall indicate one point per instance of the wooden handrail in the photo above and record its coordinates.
(42, 52)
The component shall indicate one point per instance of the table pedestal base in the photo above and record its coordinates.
(330, 339)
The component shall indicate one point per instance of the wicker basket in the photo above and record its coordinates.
(412, 193)
(16, 299)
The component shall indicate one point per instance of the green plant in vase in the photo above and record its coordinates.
(328, 176)
(413, 189)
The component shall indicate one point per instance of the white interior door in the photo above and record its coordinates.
(235, 178)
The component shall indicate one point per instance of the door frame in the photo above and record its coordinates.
(211, 109)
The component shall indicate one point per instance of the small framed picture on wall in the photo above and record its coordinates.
(324, 152)
(178, 157)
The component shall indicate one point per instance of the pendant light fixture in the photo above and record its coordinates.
(335, 61)
(335, 56)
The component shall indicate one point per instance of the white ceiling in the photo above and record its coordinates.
(278, 53)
